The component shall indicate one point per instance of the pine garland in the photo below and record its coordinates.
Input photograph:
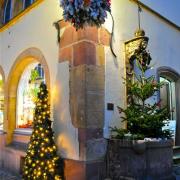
(85, 12)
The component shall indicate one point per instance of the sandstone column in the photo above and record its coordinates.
(85, 51)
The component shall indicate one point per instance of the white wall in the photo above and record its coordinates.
(168, 8)
(36, 29)
(164, 46)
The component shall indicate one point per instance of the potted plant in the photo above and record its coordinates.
(144, 149)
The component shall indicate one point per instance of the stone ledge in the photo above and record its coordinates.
(84, 170)
(96, 149)
(130, 159)
(17, 146)
(21, 137)
(149, 144)
(2, 132)
(23, 131)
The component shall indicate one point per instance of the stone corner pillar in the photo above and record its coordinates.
(85, 51)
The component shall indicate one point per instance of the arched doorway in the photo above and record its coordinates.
(20, 73)
(170, 98)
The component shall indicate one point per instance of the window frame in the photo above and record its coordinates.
(24, 2)
(5, 10)
(11, 10)
(172, 74)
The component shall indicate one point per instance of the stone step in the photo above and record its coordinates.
(176, 150)
(5, 175)
(176, 154)
(176, 159)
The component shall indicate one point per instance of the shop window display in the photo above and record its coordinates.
(27, 93)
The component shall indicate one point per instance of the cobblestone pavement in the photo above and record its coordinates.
(4, 175)
(7, 176)
(176, 169)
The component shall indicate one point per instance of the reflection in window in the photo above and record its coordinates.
(7, 12)
(27, 3)
(1, 12)
(168, 99)
(18, 7)
(26, 95)
(13, 8)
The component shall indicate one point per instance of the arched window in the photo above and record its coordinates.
(168, 100)
(13, 8)
(1, 102)
(26, 94)
(7, 11)
(168, 96)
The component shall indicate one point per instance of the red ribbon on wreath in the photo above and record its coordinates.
(86, 2)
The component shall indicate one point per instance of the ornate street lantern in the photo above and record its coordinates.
(132, 47)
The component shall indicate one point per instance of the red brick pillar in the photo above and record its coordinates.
(85, 50)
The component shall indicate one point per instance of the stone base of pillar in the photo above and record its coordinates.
(84, 170)
(2, 145)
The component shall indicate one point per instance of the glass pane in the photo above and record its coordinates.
(27, 3)
(18, 7)
(7, 11)
(168, 99)
(1, 12)
(27, 93)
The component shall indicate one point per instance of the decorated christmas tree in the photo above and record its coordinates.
(41, 161)
(144, 115)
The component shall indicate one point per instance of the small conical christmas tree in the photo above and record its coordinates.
(144, 118)
(41, 161)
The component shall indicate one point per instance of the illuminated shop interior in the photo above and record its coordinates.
(27, 92)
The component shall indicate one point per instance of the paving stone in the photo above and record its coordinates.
(4, 175)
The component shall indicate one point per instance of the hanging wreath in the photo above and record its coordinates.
(85, 12)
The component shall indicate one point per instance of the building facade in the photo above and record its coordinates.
(83, 76)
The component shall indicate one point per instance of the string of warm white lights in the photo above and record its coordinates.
(41, 161)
